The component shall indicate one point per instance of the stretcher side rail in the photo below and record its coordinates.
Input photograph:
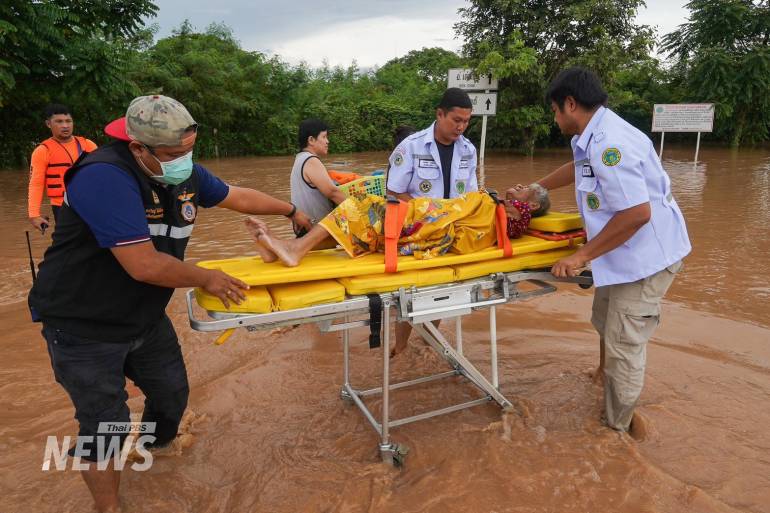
(311, 314)
(360, 304)
(584, 279)
(308, 315)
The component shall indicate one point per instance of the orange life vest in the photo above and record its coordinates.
(59, 161)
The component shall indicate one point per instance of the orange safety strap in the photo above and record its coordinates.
(501, 226)
(503, 242)
(395, 215)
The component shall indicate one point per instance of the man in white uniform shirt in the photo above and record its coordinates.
(438, 162)
(637, 236)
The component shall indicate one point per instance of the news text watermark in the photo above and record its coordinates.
(105, 448)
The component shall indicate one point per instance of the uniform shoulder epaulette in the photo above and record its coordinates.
(415, 135)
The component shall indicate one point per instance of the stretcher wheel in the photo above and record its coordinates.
(394, 454)
(399, 455)
(586, 274)
(345, 396)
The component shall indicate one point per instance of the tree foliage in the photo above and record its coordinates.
(57, 50)
(527, 42)
(722, 56)
(559, 31)
(96, 56)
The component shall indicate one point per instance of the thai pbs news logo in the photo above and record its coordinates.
(104, 447)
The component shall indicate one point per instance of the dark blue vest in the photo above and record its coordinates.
(82, 288)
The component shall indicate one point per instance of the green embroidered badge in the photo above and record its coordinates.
(611, 157)
(592, 200)
(426, 186)
(460, 186)
(399, 159)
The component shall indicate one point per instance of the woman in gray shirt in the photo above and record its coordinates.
(312, 191)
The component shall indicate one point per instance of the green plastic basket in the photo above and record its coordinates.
(374, 185)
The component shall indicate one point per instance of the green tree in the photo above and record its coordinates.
(721, 55)
(429, 64)
(560, 31)
(225, 88)
(415, 82)
(526, 42)
(246, 103)
(61, 50)
(521, 117)
(636, 88)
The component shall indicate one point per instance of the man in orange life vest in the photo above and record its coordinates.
(50, 160)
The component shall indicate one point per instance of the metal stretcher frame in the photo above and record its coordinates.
(419, 307)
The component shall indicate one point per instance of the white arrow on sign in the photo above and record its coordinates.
(484, 104)
(464, 79)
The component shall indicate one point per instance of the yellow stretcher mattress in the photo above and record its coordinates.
(257, 300)
(557, 222)
(300, 295)
(377, 283)
(507, 265)
(334, 263)
(261, 299)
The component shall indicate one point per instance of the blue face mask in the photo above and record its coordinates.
(175, 171)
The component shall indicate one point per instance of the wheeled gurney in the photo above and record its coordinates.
(348, 294)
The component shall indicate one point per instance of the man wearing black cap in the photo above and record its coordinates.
(116, 257)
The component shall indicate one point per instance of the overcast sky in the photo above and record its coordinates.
(371, 32)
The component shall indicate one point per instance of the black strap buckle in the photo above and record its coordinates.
(375, 320)
(493, 194)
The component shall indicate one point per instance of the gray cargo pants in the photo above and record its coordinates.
(625, 316)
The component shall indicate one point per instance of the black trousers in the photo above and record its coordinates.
(93, 374)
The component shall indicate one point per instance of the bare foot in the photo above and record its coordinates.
(254, 225)
(640, 427)
(174, 448)
(403, 330)
(265, 254)
(398, 348)
(281, 248)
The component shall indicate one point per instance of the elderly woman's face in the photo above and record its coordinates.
(525, 195)
(522, 194)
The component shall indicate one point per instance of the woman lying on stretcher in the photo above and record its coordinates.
(431, 227)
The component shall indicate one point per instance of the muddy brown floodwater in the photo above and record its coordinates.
(271, 434)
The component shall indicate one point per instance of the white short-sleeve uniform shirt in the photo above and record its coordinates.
(616, 168)
(415, 167)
